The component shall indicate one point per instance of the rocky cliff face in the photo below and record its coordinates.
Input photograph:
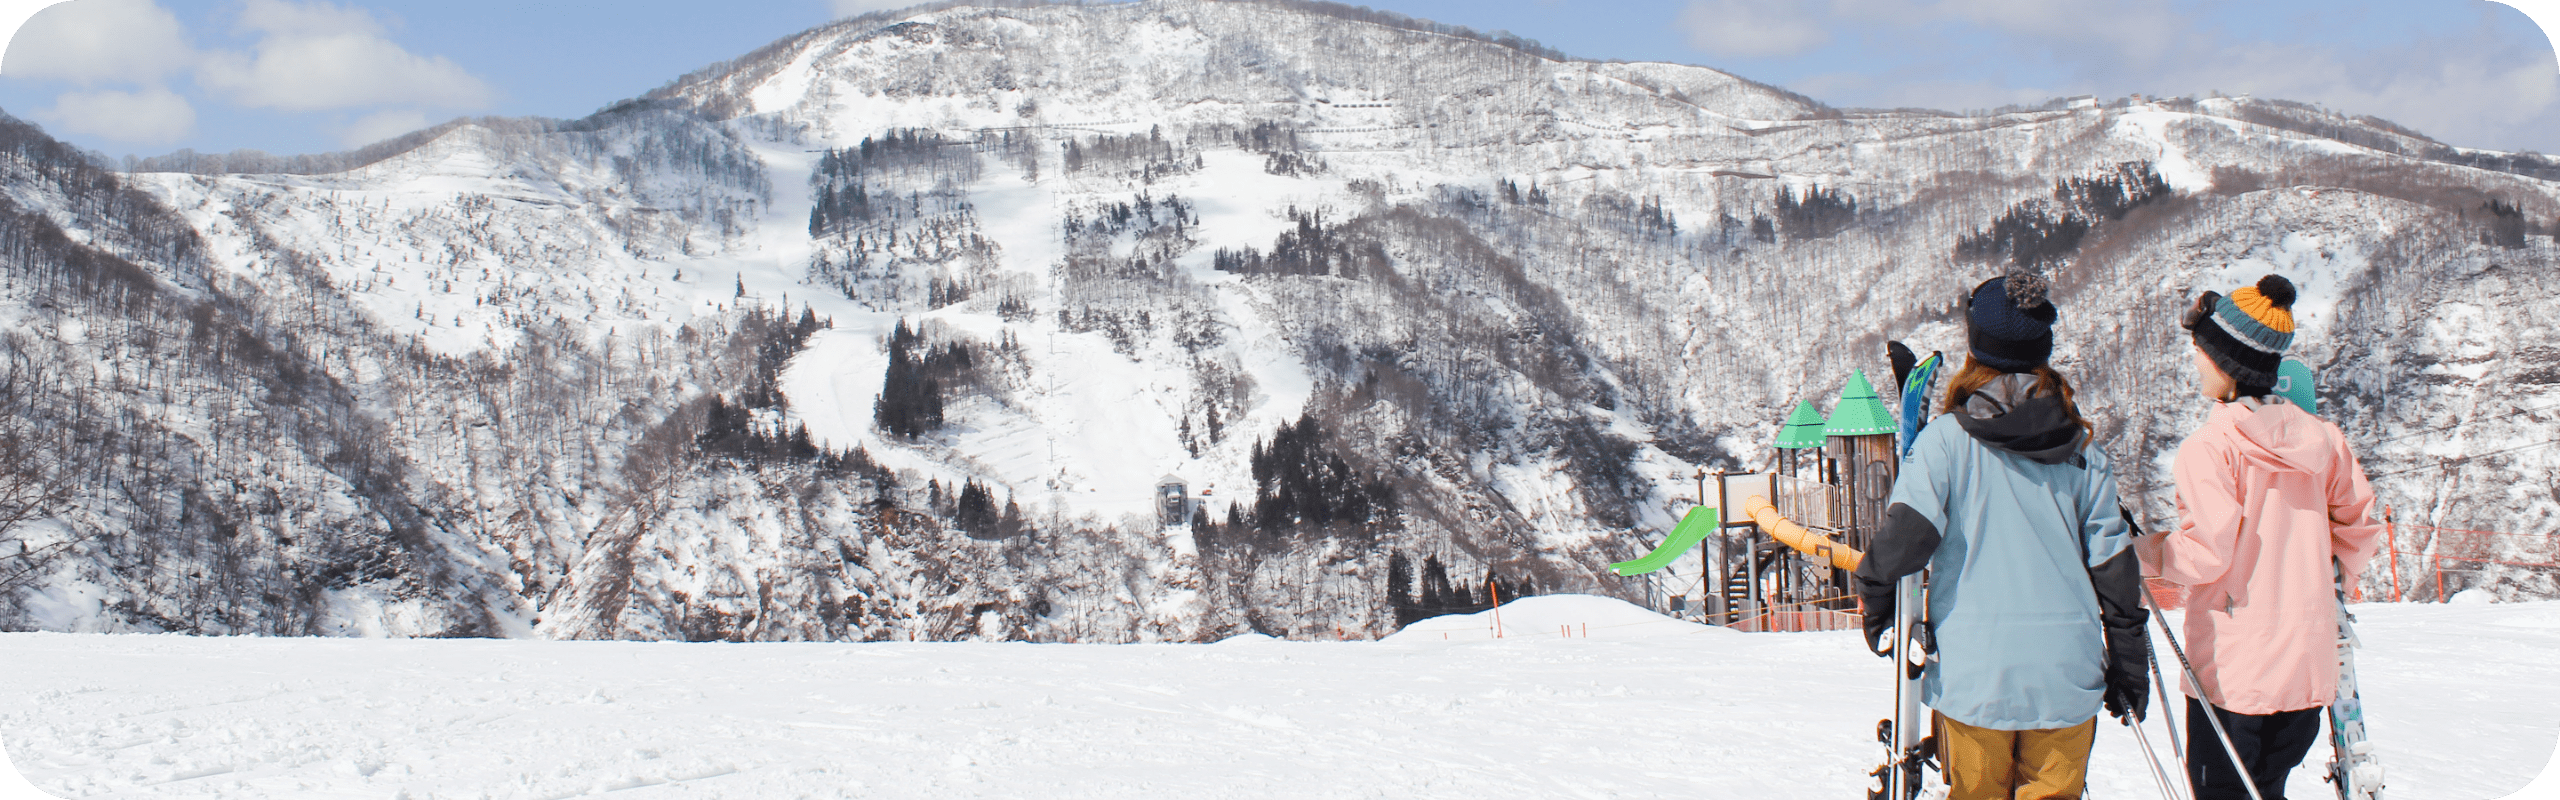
(890, 329)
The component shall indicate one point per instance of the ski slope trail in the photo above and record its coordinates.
(2461, 697)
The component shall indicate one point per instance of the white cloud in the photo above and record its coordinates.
(2474, 86)
(847, 8)
(2140, 30)
(318, 18)
(99, 41)
(318, 56)
(1754, 28)
(153, 116)
(2458, 89)
(382, 125)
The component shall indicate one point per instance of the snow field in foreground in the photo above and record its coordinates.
(2461, 697)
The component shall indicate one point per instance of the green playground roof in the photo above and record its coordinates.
(1861, 412)
(1802, 429)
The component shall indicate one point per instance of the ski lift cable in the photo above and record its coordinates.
(2518, 412)
(2464, 459)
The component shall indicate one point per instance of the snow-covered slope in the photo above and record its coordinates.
(2458, 701)
(641, 375)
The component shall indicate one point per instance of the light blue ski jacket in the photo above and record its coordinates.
(2020, 645)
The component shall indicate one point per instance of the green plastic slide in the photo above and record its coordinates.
(1700, 522)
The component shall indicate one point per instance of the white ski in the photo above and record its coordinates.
(1905, 736)
(2353, 767)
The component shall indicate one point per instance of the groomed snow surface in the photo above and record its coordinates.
(2462, 699)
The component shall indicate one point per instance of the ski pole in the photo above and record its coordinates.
(2151, 659)
(2161, 775)
(2169, 720)
(2177, 746)
(2247, 781)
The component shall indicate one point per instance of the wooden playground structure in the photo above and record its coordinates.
(1787, 537)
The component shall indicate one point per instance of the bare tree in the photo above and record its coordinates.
(33, 486)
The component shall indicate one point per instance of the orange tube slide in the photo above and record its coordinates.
(1793, 535)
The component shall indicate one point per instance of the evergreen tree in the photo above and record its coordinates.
(974, 512)
(910, 402)
(1435, 587)
(1400, 588)
(1300, 482)
(1012, 524)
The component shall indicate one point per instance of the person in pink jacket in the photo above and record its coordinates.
(2269, 497)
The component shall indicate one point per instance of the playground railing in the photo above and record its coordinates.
(1810, 503)
(1800, 617)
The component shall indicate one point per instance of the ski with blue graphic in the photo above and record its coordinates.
(2353, 768)
(1916, 386)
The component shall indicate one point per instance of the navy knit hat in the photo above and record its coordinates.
(2009, 323)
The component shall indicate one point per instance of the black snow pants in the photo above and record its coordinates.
(2271, 745)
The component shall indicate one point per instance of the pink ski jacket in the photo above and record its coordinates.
(2267, 494)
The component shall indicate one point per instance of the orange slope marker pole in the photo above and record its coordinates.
(2391, 534)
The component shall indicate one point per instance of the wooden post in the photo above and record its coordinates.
(1751, 566)
(1723, 544)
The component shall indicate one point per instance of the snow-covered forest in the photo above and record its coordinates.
(891, 329)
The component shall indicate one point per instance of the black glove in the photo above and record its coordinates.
(2120, 611)
(1900, 356)
(2128, 680)
(1875, 610)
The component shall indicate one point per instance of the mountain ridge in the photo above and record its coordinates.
(1374, 292)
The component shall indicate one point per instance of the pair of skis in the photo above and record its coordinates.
(1905, 735)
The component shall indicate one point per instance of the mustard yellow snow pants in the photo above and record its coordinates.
(1987, 764)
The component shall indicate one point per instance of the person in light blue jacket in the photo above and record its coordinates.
(2033, 591)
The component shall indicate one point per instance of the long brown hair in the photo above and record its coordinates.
(2048, 382)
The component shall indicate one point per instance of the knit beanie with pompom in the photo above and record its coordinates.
(2247, 331)
(2009, 323)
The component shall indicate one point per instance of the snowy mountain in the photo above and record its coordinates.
(890, 329)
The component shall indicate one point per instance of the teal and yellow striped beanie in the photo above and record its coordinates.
(2246, 332)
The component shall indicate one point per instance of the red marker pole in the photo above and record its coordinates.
(2391, 534)
(1496, 590)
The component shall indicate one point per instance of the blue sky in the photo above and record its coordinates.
(289, 76)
